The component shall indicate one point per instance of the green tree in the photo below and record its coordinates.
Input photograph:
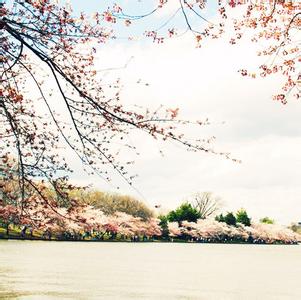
(267, 220)
(164, 225)
(185, 212)
(243, 218)
(230, 219)
(220, 218)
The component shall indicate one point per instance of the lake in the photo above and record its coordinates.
(77, 270)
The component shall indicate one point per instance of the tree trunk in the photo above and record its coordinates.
(7, 229)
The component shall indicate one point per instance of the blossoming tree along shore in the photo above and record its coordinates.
(46, 47)
(89, 223)
(209, 230)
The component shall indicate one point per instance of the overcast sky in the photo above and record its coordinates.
(204, 82)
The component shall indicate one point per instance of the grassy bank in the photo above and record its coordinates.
(15, 233)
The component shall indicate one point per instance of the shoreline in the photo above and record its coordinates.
(149, 241)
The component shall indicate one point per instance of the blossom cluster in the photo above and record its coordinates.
(213, 231)
(83, 219)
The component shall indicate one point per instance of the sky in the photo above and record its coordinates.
(245, 120)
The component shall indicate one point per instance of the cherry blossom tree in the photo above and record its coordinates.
(213, 231)
(174, 229)
(275, 24)
(9, 214)
(153, 228)
(271, 233)
(129, 226)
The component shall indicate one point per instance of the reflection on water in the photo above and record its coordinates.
(73, 270)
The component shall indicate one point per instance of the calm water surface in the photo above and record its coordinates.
(72, 270)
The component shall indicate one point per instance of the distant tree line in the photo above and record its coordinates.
(107, 216)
